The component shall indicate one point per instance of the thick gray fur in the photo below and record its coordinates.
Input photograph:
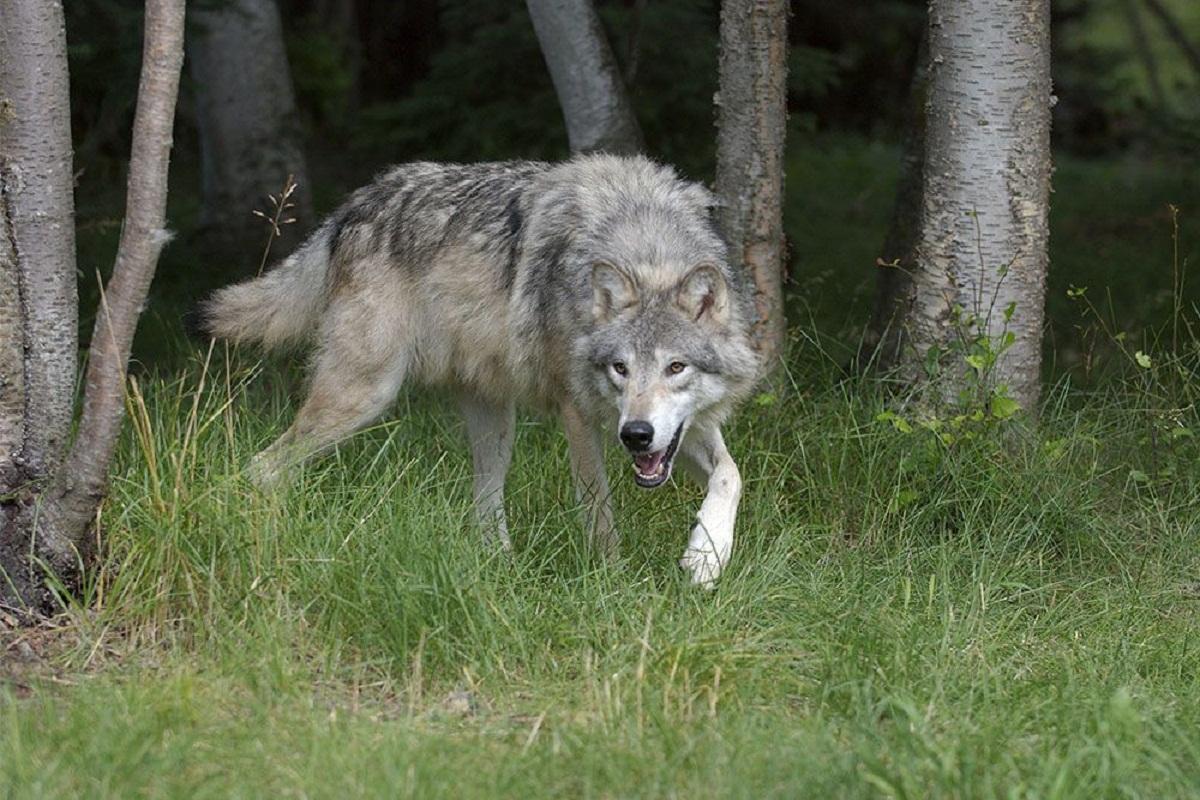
(520, 282)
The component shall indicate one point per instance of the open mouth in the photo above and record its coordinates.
(651, 470)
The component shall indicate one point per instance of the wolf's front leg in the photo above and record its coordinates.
(490, 427)
(591, 484)
(704, 455)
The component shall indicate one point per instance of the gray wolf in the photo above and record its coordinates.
(597, 288)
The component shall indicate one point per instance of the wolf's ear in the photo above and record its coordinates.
(704, 294)
(612, 291)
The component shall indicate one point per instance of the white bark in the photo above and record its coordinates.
(987, 177)
(585, 75)
(751, 123)
(84, 477)
(48, 525)
(36, 181)
(250, 136)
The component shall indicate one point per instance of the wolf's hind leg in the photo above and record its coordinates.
(591, 484)
(337, 406)
(359, 368)
(490, 428)
(711, 543)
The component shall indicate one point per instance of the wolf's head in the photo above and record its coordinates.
(664, 356)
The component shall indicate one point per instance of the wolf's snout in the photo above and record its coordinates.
(637, 435)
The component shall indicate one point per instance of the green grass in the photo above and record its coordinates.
(1014, 614)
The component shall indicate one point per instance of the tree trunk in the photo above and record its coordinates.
(981, 254)
(250, 135)
(38, 301)
(598, 114)
(884, 341)
(1175, 31)
(751, 122)
(46, 528)
(36, 181)
(82, 480)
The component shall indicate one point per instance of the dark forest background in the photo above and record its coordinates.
(379, 82)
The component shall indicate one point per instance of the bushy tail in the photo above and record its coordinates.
(278, 308)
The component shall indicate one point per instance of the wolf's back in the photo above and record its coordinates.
(280, 307)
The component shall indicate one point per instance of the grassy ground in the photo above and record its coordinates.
(998, 612)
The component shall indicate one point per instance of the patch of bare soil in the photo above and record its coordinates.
(40, 652)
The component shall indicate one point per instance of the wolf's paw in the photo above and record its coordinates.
(265, 473)
(495, 539)
(608, 546)
(704, 564)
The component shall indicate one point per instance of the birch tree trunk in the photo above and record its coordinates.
(45, 518)
(36, 182)
(595, 106)
(250, 135)
(981, 254)
(751, 122)
(81, 483)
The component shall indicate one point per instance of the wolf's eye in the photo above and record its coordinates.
(676, 367)
(620, 368)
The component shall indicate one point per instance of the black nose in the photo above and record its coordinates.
(637, 435)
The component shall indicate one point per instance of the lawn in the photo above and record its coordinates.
(916, 608)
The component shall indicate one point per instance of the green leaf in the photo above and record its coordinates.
(898, 422)
(978, 362)
(1004, 407)
(1009, 310)
(1138, 476)
(1053, 449)
(932, 356)
(765, 399)
(1142, 359)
